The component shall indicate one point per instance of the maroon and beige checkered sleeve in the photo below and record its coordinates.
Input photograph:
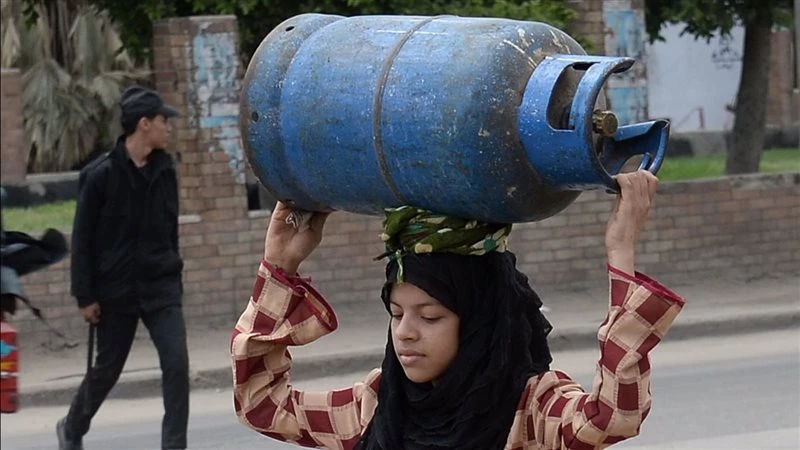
(285, 311)
(560, 415)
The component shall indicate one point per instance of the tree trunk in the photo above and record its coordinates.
(744, 155)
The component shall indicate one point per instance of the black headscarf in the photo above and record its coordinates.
(502, 343)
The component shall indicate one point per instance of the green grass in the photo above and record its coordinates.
(30, 220)
(690, 168)
(60, 215)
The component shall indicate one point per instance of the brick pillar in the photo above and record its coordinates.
(13, 151)
(197, 69)
(626, 35)
(617, 28)
(589, 24)
(780, 110)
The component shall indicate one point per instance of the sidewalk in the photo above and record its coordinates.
(715, 307)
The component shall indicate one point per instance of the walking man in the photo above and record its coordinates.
(126, 266)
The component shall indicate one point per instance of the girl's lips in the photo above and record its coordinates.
(410, 359)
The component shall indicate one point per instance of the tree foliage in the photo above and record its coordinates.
(73, 72)
(257, 17)
(708, 18)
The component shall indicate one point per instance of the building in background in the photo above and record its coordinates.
(693, 83)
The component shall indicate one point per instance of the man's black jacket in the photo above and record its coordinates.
(125, 234)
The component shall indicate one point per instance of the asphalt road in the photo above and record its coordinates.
(739, 392)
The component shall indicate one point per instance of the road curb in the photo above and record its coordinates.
(149, 385)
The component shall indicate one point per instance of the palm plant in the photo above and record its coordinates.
(73, 72)
(8, 32)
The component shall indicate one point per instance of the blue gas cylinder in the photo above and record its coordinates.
(491, 119)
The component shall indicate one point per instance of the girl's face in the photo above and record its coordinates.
(424, 333)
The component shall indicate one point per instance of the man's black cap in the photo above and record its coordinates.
(139, 101)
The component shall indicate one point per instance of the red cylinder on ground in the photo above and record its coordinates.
(9, 365)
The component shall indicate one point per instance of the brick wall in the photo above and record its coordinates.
(13, 154)
(744, 227)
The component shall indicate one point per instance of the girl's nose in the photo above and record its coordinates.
(405, 330)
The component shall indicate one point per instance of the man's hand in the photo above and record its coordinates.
(91, 313)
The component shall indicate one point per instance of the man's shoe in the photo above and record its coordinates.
(64, 441)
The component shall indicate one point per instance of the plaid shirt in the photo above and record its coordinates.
(553, 413)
